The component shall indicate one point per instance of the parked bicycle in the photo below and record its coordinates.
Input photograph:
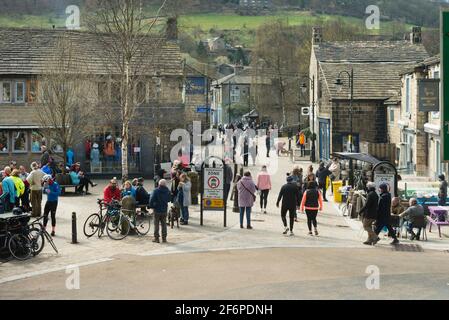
(14, 238)
(96, 222)
(120, 225)
(37, 235)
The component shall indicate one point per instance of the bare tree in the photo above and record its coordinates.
(130, 43)
(65, 100)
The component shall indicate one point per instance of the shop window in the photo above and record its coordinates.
(55, 147)
(6, 91)
(37, 141)
(4, 141)
(20, 92)
(19, 141)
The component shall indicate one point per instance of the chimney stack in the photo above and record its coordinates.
(416, 35)
(317, 36)
(172, 29)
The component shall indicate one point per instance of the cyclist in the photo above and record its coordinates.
(52, 189)
(111, 192)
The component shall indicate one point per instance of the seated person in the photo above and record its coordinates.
(128, 190)
(111, 192)
(85, 182)
(415, 210)
(142, 196)
(47, 169)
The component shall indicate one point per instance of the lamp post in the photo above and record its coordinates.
(304, 88)
(339, 83)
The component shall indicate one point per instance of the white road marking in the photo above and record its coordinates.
(41, 272)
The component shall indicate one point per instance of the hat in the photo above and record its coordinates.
(289, 179)
(95, 145)
(47, 178)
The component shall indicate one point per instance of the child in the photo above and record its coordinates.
(52, 189)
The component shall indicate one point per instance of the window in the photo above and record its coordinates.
(116, 92)
(4, 142)
(20, 92)
(407, 94)
(36, 142)
(235, 95)
(391, 115)
(436, 74)
(19, 141)
(6, 91)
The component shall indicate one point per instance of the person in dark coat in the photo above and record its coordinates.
(159, 202)
(369, 213)
(442, 194)
(384, 214)
(322, 174)
(228, 176)
(290, 196)
(142, 196)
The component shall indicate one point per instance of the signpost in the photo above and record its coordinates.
(202, 109)
(212, 191)
(444, 29)
(429, 95)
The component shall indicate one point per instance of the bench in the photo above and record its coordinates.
(63, 187)
(435, 212)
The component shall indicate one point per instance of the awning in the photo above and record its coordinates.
(357, 156)
(432, 128)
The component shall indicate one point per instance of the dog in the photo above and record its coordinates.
(173, 215)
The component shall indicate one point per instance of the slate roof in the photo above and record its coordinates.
(28, 52)
(372, 81)
(370, 51)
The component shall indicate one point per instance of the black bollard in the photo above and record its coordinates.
(74, 236)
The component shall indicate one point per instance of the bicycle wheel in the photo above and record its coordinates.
(50, 240)
(37, 241)
(102, 226)
(19, 246)
(91, 225)
(117, 227)
(143, 223)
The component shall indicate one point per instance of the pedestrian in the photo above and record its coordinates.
(289, 195)
(19, 186)
(335, 169)
(45, 157)
(414, 212)
(264, 187)
(52, 189)
(185, 187)
(268, 143)
(228, 176)
(246, 195)
(235, 193)
(9, 189)
(245, 151)
(442, 194)
(128, 190)
(35, 181)
(253, 149)
(302, 143)
(312, 202)
(159, 203)
(297, 176)
(111, 192)
(142, 196)
(322, 174)
(369, 213)
(384, 214)
(25, 198)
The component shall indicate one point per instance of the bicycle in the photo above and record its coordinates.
(120, 225)
(37, 236)
(17, 243)
(97, 222)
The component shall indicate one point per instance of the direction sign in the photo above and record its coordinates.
(202, 109)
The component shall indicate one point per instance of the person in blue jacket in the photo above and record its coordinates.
(52, 190)
(128, 190)
(159, 203)
(9, 189)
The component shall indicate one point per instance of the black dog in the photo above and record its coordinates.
(174, 215)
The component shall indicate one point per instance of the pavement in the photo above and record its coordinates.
(213, 262)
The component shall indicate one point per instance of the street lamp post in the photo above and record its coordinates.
(339, 83)
(304, 88)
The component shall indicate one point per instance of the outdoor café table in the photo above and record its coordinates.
(435, 212)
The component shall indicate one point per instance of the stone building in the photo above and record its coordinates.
(376, 67)
(195, 97)
(23, 59)
(414, 126)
